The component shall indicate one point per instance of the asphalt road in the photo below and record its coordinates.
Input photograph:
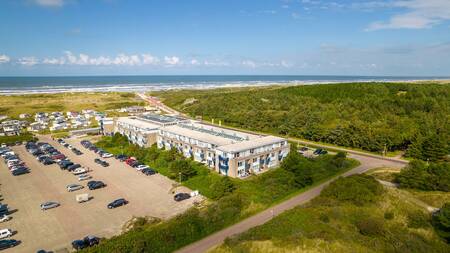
(217, 238)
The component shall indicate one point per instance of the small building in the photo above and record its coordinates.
(36, 127)
(24, 116)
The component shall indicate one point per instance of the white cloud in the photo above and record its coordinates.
(54, 61)
(50, 3)
(28, 61)
(195, 62)
(420, 14)
(149, 59)
(249, 63)
(4, 58)
(295, 15)
(171, 60)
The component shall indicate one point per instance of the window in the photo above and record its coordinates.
(252, 151)
(239, 164)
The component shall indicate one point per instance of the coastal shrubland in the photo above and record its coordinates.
(410, 118)
(425, 176)
(231, 199)
(340, 221)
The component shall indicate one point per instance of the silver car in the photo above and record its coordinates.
(49, 205)
(84, 177)
(74, 187)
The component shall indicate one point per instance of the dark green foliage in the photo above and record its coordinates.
(423, 176)
(357, 189)
(370, 226)
(298, 166)
(418, 219)
(181, 170)
(441, 222)
(324, 218)
(222, 187)
(360, 115)
(389, 215)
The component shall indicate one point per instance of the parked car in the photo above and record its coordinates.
(92, 185)
(4, 218)
(79, 171)
(49, 205)
(4, 209)
(181, 196)
(80, 198)
(65, 164)
(87, 241)
(142, 166)
(48, 161)
(20, 171)
(84, 177)
(121, 157)
(107, 155)
(117, 203)
(5, 244)
(148, 172)
(4, 233)
(73, 167)
(74, 187)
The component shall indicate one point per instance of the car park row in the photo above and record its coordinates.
(17, 167)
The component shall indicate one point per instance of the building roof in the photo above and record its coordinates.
(250, 144)
(138, 123)
(209, 134)
(161, 119)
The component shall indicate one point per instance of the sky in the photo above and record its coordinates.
(225, 37)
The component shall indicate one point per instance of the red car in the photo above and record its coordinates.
(130, 161)
(59, 157)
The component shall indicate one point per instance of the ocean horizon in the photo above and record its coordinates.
(56, 84)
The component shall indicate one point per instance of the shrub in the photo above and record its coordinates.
(441, 222)
(357, 189)
(181, 170)
(423, 176)
(324, 218)
(418, 219)
(222, 187)
(370, 226)
(389, 215)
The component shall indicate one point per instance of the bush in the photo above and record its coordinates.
(370, 226)
(418, 219)
(441, 222)
(181, 170)
(389, 215)
(357, 189)
(222, 187)
(324, 218)
(427, 177)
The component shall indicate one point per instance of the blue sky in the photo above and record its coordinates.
(301, 37)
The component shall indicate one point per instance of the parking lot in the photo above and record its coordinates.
(56, 228)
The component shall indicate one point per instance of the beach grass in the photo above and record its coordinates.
(14, 105)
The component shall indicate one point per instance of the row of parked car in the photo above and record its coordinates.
(44, 152)
(90, 146)
(70, 147)
(15, 165)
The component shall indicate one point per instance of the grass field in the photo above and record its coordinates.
(15, 105)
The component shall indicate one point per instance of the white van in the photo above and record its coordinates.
(5, 233)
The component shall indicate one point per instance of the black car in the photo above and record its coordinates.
(48, 161)
(104, 164)
(64, 164)
(97, 160)
(73, 167)
(92, 185)
(117, 203)
(20, 171)
(121, 157)
(181, 196)
(148, 172)
(87, 241)
(4, 244)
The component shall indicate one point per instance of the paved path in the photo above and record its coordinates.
(217, 238)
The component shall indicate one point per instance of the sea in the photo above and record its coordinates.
(57, 84)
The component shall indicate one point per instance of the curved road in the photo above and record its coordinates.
(368, 161)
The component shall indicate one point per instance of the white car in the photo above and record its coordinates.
(141, 167)
(107, 155)
(5, 233)
(4, 218)
(84, 177)
(49, 205)
(79, 171)
(74, 187)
